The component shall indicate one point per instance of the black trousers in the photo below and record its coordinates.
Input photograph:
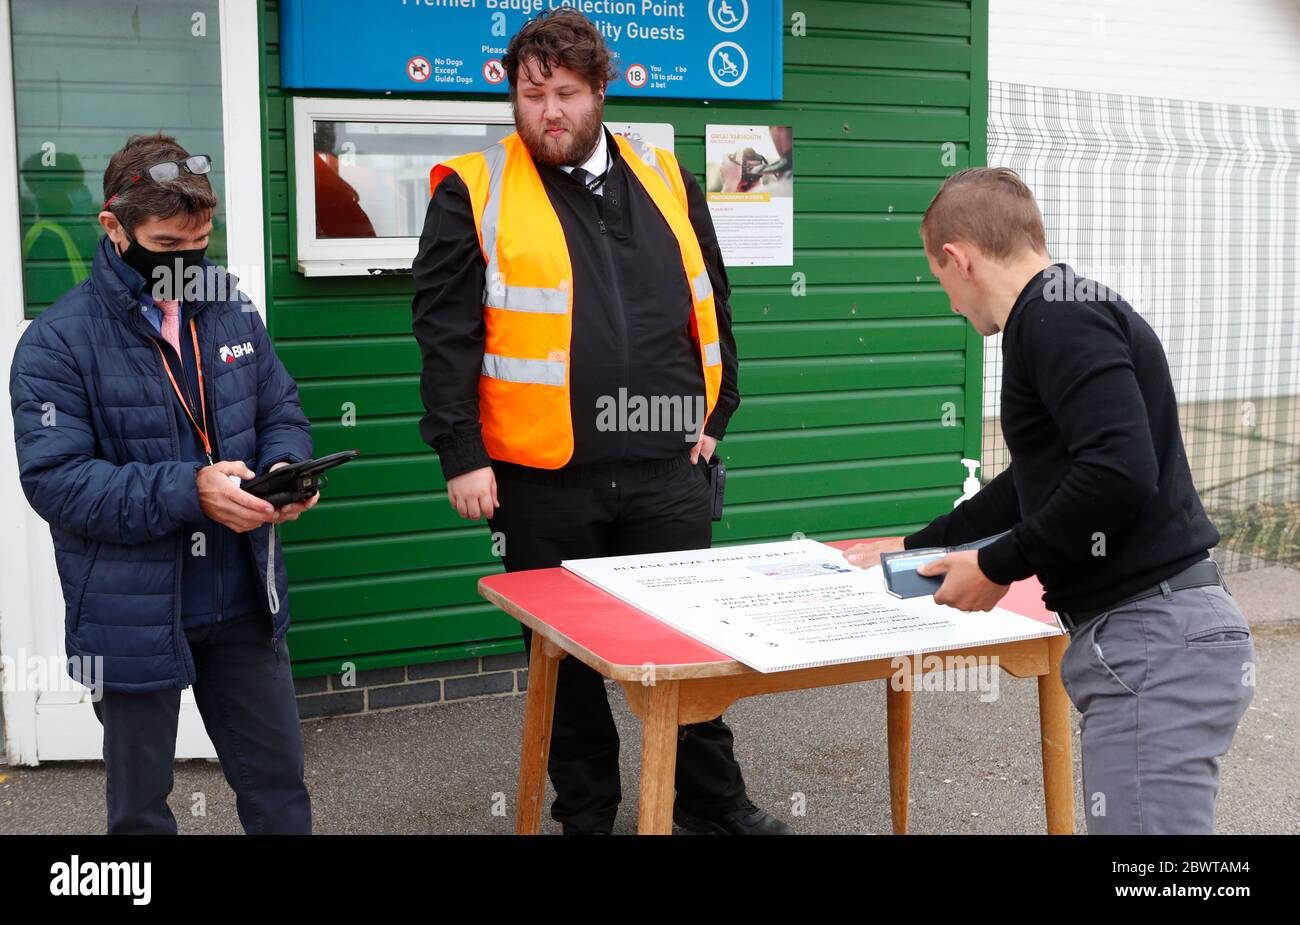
(658, 506)
(245, 695)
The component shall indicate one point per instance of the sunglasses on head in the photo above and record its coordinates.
(168, 170)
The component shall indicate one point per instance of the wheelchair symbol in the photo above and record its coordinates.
(724, 16)
(723, 64)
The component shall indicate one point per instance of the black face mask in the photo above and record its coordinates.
(167, 275)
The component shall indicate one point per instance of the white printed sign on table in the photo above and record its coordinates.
(796, 604)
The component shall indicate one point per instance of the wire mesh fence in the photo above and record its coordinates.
(1188, 210)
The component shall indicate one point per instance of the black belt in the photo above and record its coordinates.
(1203, 573)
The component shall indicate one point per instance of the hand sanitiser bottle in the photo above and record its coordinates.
(971, 484)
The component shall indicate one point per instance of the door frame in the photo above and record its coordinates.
(59, 723)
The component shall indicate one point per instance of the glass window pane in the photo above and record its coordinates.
(86, 77)
(372, 178)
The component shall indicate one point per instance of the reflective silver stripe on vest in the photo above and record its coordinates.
(496, 163)
(712, 354)
(526, 298)
(496, 294)
(703, 288)
(647, 154)
(517, 369)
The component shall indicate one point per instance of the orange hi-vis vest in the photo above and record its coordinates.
(528, 298)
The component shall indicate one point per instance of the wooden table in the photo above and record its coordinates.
(671, 679)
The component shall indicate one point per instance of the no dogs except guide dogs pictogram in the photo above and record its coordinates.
(418, 69)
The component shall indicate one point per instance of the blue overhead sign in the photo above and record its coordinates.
(691, 49)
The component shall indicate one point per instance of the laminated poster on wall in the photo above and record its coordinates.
(750, 188)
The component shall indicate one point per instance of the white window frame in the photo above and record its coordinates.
(241, 113)
(364, 256)
(19, 544)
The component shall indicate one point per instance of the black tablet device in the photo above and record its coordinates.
(296, 481)
(901, 577)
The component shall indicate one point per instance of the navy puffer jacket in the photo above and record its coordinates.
(100, 460)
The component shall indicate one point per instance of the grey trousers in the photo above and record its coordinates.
(1161, 684)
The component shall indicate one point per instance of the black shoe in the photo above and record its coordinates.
(748, 820)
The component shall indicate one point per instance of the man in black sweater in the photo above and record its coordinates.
(1099, 504)
(579, 416)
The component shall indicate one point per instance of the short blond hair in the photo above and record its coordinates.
(990, 207)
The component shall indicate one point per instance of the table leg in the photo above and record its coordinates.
(1054, 726)
(898, 721)
(539, 709)
(659, 759)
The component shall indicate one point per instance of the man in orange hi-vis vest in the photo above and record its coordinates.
(578, 372)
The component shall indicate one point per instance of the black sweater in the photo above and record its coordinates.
(1098, 496)
(631, 317)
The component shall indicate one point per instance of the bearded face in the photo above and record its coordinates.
(559, 117)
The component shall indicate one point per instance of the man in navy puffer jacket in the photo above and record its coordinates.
(140, 399)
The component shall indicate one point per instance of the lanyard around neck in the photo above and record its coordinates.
(203, 402)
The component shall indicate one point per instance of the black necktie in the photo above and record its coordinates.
(587, 179)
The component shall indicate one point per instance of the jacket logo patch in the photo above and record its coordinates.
(230, 354)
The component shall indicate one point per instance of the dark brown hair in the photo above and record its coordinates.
(560, 38)
(990, 207)
(146, 198)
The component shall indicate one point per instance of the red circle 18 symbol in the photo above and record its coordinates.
(636, 76)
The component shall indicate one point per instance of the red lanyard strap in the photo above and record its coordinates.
(203, 402)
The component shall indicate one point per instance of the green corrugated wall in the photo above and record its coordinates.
(842, 430)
